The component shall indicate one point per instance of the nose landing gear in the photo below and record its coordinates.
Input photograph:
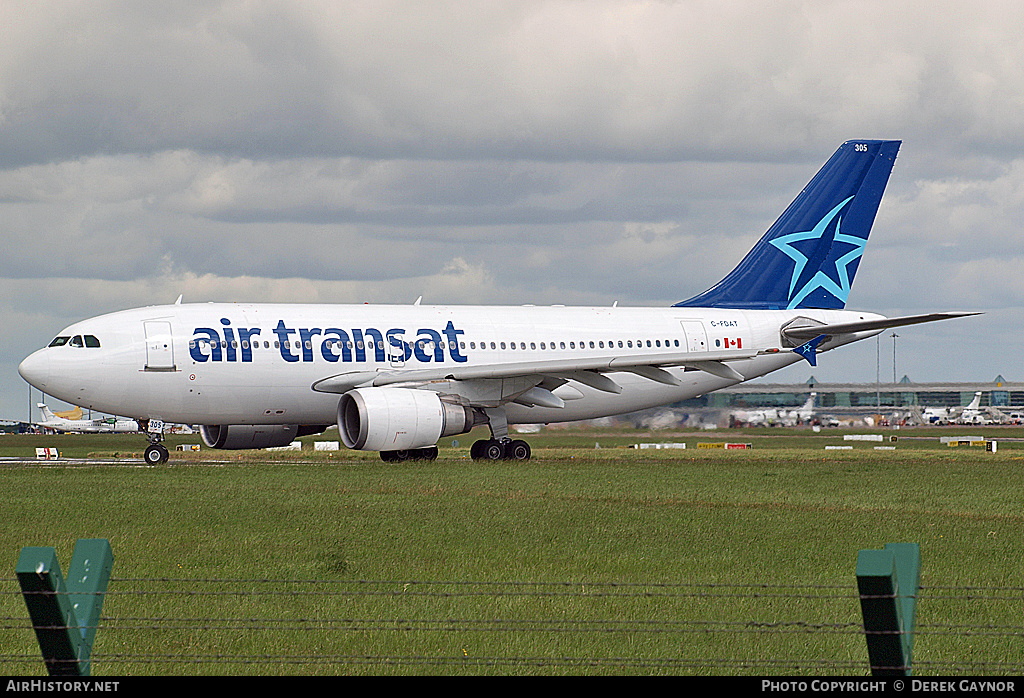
(156, 453)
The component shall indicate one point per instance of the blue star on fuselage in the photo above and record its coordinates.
(838, 287)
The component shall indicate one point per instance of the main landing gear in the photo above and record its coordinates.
(499, 446)
(500, 449)
(485, 449)
(409, 454)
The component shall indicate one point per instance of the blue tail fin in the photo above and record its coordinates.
(808, 258)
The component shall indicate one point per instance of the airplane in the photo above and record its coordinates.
(936, 415)
(972, 413)
(398, 378)
(62, 424)
(801, 415)
(771, 416)
(766, 417)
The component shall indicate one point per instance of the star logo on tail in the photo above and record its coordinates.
(838, 286)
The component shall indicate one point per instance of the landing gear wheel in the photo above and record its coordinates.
(488, 449)
(156, 454)
(495, 449)
(429, 453)
(518, 450)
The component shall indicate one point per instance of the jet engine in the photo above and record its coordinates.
(238, 436)
(395, 419)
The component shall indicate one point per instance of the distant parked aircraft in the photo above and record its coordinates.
(773, 417)
(107, 424)
(974, 413)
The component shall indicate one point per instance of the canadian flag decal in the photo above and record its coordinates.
(733, 343)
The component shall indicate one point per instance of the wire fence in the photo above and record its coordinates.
(185, 626)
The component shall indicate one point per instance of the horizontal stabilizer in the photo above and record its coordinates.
(809, 350)
(805, 332)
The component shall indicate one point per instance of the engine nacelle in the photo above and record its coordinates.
(239, 436)
(397, 419)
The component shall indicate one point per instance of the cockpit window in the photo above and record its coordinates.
(77, 341)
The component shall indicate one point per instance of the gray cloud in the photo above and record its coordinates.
(529, 152)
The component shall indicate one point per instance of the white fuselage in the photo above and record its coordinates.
(258, 363)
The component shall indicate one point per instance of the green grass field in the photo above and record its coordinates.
(585, 560)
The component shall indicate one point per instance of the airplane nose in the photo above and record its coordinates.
(35, 369)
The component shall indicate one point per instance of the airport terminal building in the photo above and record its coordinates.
(836, 396)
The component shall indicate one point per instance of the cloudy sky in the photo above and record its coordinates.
(534, 151)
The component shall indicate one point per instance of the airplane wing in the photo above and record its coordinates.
(809, 331)
(588, 371)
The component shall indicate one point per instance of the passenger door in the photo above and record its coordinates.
(159, 346)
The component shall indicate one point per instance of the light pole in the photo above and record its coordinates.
(894, 336)
(878, 371)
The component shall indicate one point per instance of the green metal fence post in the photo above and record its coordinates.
(65, 614)
(888, 581)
